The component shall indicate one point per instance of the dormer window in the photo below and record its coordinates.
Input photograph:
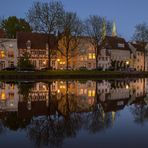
(121, 45)
(10, 45)
(28, 44)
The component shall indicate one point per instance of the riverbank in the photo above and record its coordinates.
(64, 74)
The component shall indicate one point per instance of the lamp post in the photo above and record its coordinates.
(127, 64)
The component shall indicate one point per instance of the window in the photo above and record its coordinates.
(90, 56)
(91, 93)
(10, 54)
(94, 56)
(10, 63)
(81, 58)
(120, 45)
(11, 95)
(81, 91)
(2, 54)
(3, 96)
(82, 50)
(34, 62)
(89, 65)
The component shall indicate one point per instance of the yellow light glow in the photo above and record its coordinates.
(3, 96)
(44, 62)
(113, 116)
(89, 93)
(90, 56)
(127, 62)
(62, 86)
(127, 87)
(58, 91)
(94, 56)
(12, 86)
(2, 54)
(58, 60)
(44, 87)
(93, 93)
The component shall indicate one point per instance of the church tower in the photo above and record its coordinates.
(114, 30)
(103, 29)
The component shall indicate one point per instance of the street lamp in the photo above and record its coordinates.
(127, 87)
(127, 62)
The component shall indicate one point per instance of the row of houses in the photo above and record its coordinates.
(115, 52)
(81, 96)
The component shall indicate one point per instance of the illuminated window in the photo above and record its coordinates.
(85, 91)
(3, 96)
(94, 56)
(89, 93)
(93, 93)
(81, 58)
(2, 54)
(12, 86)
(90, 56)
(81, 91)
(62, 86)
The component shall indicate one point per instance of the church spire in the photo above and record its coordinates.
(114, 29)
(103, 29)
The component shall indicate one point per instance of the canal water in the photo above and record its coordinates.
(72, 114)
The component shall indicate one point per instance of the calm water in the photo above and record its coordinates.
(70, 114)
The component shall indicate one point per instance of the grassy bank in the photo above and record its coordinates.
(64, 74)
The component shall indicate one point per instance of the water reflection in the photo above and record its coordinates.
(52, 112)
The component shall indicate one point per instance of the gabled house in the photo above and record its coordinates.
(36, 45)
(8, 53)
(115, 52)
(138, 57)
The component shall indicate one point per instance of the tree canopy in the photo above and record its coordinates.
(45, 16)
(96, 28)
(141, 32)
(12, 25)
(24, 62)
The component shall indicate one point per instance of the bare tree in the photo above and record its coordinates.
(72, 29)
(46, 18)
(94, 29)
(141, 32)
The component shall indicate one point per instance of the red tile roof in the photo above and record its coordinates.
(114, 43)
(38, 40)
(139, 45)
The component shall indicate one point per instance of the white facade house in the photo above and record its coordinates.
(8, 53)
(116, 53)
(8, 97)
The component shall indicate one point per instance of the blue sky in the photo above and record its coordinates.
(127, 13)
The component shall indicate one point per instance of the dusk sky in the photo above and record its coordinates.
(127, 13)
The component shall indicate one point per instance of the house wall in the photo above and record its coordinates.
(8, 53)
(38, 57)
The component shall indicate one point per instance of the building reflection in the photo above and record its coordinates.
(76, 96)
(62, 108)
